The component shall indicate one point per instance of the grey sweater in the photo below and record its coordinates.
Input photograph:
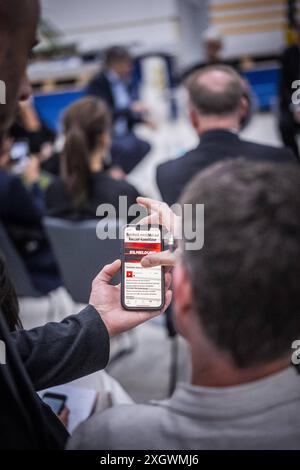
(264, 414)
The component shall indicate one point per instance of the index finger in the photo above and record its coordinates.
(151, 204)
(159, 212)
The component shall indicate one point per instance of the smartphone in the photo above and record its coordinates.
(19, 151)
(19, 155)
(56, 401)
(141, 288)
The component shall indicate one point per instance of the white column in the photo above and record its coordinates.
(193, 21)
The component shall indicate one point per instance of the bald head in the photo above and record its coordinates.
(216, 91)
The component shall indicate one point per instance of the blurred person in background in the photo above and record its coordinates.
(289, 112)
(22, 207)
(84, 184)
(213, 46)
(237, 303)
(113, 86)
(29, 127)
(217, 103)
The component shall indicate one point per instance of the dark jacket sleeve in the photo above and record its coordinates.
(58, 353)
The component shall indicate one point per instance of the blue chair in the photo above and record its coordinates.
(80, 254)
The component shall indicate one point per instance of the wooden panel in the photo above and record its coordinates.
(254, 28)
(254, 16)
(217, 8)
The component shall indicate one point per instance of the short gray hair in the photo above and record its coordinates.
(210, 102)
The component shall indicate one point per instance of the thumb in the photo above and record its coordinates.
(108, 272)
(165, 258)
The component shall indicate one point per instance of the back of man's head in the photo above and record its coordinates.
(216, 90)
(245, 281)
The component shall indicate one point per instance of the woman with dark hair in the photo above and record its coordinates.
(84, 184)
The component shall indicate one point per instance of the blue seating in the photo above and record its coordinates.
(50, 106)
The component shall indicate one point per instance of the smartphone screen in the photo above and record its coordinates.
(55, 401)
(19, 151)
(142, 288)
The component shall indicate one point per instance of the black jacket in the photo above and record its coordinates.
(44, 357)
(290, 71)
(19, 205)
(215, 146)
(103, 190)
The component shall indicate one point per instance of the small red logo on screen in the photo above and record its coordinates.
(129, 274)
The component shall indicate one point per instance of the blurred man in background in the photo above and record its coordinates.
(217, 106)
(289, 118)
(113, 86)
(213, 48)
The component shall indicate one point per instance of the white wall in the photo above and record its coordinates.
(193, 20)
(174, 25)
(98, 23)
(266, 15)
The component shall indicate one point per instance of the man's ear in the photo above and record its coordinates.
(183, 298)
(243, 108)
(194, 117)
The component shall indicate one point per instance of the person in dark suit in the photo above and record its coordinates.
(289, 113)
(56, 353)
(112, 85)
(84, 184)
(217, 103)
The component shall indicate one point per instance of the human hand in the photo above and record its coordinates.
(64, 416)
(139, 107)
(32, 171)
(29, 116)
(106, 299)
(151, 124)
(160, 214)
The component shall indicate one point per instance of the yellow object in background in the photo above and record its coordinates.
(291, 36)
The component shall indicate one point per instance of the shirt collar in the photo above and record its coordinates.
(245, 399)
